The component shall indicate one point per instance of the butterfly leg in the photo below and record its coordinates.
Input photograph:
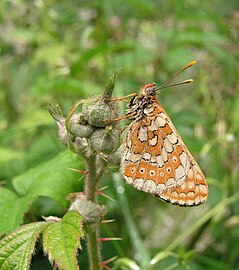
(124, 97)
(120, 118)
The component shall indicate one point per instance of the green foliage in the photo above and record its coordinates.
(46, 180)
(43, 180)
(62, 51)
(17, 248)
(12, 209)
(62, 239)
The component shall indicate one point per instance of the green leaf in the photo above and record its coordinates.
(16, 249)
(31, 120)
(12, 209)
(62, 239)
(8, 155)
(51, 179)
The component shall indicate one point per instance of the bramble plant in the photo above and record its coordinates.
(61, 51)
(92, 136)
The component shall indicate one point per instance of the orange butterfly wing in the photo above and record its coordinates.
(156, 160)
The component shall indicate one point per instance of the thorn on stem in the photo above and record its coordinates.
(105, 239)
(99, 191)
(108, 221)
(104, 264)
(80, 171)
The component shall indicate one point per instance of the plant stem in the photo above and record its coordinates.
(92, 231)
(91, 181)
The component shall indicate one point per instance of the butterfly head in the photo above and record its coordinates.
(148, 89)
(143, 100)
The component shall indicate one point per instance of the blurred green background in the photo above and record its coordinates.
(60, 51)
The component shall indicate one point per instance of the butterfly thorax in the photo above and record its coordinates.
(139, 104)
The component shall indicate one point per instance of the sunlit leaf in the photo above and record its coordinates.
(51, 179)
(16, 249)
(12, 209)
(62, 239)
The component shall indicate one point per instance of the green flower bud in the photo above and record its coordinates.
(91, 212)
(80, 146)
(79, 127)
(97, 111)
(115, 159)
(105, 140)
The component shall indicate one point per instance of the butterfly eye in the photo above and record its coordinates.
(150, 89)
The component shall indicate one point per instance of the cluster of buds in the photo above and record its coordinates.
(91, 130)
(94, 134)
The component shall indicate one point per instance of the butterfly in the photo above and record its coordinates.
(155, 158)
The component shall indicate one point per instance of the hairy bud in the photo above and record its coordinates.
(91, 212)
(91, 129)
(105, 140)
(79, 127)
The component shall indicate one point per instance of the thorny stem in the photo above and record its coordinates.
(92, 232)
(92, 140)
(90, 180)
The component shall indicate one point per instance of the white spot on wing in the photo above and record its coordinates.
(126, 155)
(183, 186)
(172, 138)
(153, 141)
(146, 156)
(190, 198)
(171, 183)
(167, 145)
(160, 122)
(149, 186)
(153, 126)
(160, 188)
(191, 185)
(164, 155)
(185, 162)
(190, 173)
(129, 180)
(138, 183)
(197, 200)
(162, 114)
(179, 172)
(183, 158)
(174, 197)
(134, 158)
(159, 160)
(203, 190)
(143, 136)
(182, 198)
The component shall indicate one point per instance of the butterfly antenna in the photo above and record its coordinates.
(166, 84)
(175, 84)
